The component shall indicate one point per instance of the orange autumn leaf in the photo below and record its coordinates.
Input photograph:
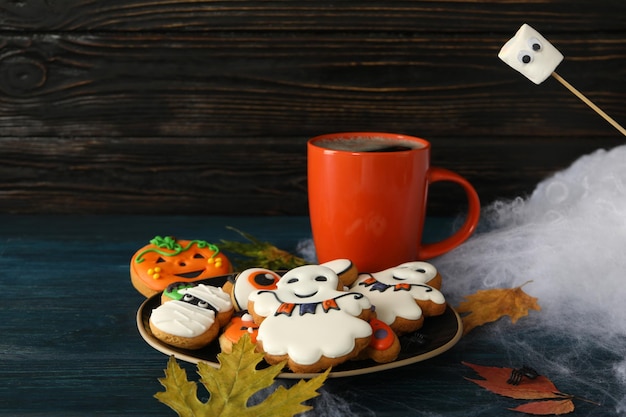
(495, 380)
(549, 400)
(486, 306)
(544, 408)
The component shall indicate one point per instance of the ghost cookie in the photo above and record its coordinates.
(309, 322)
(345, 270)
(531, 54)
(404, 295)
(193, 317)
(166, 260)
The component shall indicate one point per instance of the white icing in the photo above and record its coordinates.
(212, 295)
(182, 319)
(329, 328)
(303, 284)
(391, 303)
(338, 265)
(245, 285)
(306, 338)
(540, 62)
(415, 272)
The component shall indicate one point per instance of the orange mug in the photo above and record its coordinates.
(367, 199)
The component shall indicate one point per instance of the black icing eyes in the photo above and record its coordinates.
(198, 256)
(319, 278)
(159, 260)
(188, 298)
(263, 279)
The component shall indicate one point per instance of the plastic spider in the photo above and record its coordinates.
(518, 374)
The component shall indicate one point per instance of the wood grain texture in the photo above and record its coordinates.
(132, 106)
(452, 16)
(196, 176)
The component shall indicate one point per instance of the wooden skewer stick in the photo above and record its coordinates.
(589, 103)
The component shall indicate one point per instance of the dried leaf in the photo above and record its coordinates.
(260, 254)
(544, 408)
(531, 389)
(232, 384)
(540, 388)
(486, 306)
(180, 394)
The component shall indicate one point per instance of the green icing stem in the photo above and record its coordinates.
(171, 244)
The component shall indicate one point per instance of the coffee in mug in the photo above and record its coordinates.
(367, 199)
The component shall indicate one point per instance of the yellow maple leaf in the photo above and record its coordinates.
(231, 386)
(486, 306)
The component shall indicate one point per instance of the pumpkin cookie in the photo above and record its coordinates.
(166, 260)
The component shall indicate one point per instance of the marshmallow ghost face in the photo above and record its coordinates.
(307, 284)
(531, 54)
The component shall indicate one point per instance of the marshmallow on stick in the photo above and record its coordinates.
(533, 56)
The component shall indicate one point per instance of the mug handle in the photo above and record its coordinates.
(431, 250)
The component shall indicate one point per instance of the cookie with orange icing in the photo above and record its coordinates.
(166, 260)
(403, 295)
(384, 345)
(248, 281)
(238, 326)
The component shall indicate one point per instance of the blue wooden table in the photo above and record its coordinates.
(69, 345)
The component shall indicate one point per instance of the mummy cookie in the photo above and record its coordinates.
(310, 323)
(531, 54)
(166, 260)
(402, 296)
(193, 317)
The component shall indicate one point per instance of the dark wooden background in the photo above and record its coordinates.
(204, 107)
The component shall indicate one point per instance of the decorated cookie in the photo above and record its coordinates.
(238, 326)
(345, 269)
(309, 322)
(166, 260)
(402, 296)
(248, 281)
(384, 345)
(193, 320)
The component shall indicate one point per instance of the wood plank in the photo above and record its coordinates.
(453, 16)
(262, 176)
(284, 84)
(204, 107)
